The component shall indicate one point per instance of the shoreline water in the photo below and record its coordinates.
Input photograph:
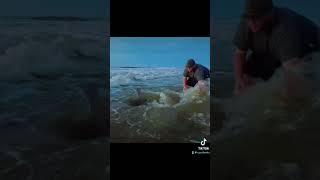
(144, 106)
(52, 82)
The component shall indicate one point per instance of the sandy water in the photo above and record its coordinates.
(148, 105)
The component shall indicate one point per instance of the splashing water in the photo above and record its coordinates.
(160, 112)
(271, 122)
(179, 111)
(267, 107)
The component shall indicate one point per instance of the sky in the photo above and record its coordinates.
(79, 8)
(158, 52)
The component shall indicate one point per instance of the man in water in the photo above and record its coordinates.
(194, 73)
(275, 37)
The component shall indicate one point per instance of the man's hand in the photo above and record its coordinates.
(243, 83)
(185, 88)
(239, 87)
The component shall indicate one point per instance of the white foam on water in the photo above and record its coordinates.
(127, 76)
(180, 111)
(44, 67)
(48, 48)
(268, 107)
(164, 111)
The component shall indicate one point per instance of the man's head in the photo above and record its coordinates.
(259, 14)
(191, 64)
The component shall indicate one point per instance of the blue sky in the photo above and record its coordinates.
(158, 52)
(80, 8)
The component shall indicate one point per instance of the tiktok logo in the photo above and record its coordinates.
(203, 142)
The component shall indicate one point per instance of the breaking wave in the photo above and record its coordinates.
(274, 122)
(45, 51)
(128, 76)
(45, 66)
(168, 114)
(268, 107)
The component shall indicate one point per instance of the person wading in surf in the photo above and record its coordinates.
(269, 37)
(194, 73)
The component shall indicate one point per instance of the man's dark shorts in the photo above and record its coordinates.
(261, 66)
(191, 82)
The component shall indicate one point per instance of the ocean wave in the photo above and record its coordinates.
(31, 49)
(269, 129)
(268, 107)
(45, 69)
(47, 53)
(128, 76)
(167, 113)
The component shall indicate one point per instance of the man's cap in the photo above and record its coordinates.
(190, 63)
(257, 8)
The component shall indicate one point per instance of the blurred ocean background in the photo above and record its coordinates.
(262, 134)
(225, 16)
(53, 79)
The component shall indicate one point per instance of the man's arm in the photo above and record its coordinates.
(239, 61)
(185, 79)
(185, 83)
(239, 65)
(241, 41)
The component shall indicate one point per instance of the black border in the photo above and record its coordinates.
(144, 160)
(162, 18)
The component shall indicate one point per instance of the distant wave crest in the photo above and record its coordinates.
(128, 76)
